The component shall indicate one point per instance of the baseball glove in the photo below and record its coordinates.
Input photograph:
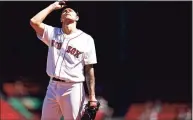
(90, 111)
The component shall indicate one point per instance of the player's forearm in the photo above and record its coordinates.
(39, 17)
(91, 86)
(90, 80)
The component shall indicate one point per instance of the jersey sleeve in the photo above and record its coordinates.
(90, 54)
(47, 35)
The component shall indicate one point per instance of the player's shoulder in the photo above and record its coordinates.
(56, 30)
(87, 35)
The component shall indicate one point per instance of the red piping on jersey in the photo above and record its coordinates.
(66, 49)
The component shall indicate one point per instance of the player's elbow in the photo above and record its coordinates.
(34, 22)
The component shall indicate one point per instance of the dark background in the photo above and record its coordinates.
(143, 48)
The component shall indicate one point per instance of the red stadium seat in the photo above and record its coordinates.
(100, 115)
(134, 112)
(8, 113)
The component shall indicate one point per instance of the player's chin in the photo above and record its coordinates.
(70, 19)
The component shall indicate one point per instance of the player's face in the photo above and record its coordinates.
(69, 14)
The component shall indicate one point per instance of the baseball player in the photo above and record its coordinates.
(71, 53)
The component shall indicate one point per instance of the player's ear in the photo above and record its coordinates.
(77, 18)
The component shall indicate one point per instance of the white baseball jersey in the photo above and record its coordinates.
(67, 54)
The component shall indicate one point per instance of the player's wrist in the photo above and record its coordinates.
(52, 7)
(92, 97)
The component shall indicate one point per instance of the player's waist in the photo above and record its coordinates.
(63, 80)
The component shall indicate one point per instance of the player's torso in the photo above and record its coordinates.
(68, 48)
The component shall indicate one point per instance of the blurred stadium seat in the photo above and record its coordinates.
(8, 113)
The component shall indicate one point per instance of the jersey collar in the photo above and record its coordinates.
(77, 32)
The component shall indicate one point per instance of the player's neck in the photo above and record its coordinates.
(68, 29)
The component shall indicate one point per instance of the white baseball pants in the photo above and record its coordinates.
(65, 99)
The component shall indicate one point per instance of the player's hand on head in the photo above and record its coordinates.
(59, 4)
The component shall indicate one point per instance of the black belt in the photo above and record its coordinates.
(59, 80)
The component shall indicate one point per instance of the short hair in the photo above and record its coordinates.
(75, 10)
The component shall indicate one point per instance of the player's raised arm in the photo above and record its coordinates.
(37, 21)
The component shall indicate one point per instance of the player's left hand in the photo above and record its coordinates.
(90, 111)
(93, 101)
